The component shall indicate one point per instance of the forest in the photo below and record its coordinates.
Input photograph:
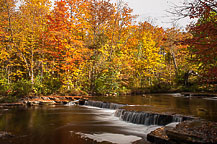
(96, 47)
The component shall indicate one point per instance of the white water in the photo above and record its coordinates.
(110, 137)
(129, 132)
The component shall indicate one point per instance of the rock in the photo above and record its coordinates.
(77, 97)
(71, 98)
(194, 132)
(62, 98)
(81, 102)
(101, 104)
(5, 135)
(202, 110)
(158, 136)
(47, 102)
(45, 98)
(32, 102)
(33, 97)
(52, 100)
(187, 132)
(71, 103)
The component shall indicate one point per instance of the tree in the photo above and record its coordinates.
(204, 46)
(7, 23)
(203, 43)
(64, 45)
(177, 54)
(30, 25)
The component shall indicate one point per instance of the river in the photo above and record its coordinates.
(90, 125)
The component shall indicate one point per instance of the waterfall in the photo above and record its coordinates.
(103, 104)
(149, 118)
(144, 118)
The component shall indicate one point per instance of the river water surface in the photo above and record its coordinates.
(69, 125)
(90, 125)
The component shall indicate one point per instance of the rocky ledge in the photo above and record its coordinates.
(47, 100)
(187, 132)
(54, 100)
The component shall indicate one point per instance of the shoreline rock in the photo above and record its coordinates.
(54, 100)
(204, 95)
(5, 135)
(187, 132)
(158, 136)
(47, 100)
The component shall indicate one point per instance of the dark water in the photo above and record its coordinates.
(89, 125)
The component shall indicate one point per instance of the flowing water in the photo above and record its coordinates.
(69, 125)
(90, 124)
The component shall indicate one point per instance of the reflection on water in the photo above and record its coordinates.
(90, 125)
(69, 125)
(204, 108)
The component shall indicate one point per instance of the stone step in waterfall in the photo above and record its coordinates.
(103, 104)
(149, 118)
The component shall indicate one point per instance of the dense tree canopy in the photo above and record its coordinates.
(96, 47)
(203, 44)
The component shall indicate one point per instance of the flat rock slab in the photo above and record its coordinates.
(187, 132)
(158, 136)
(194, 132)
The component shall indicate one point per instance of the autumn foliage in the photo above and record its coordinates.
(96, 47)
(203, 44)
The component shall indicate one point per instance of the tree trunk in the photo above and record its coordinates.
(174, 62)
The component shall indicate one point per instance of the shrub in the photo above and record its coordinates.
(21, 88)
